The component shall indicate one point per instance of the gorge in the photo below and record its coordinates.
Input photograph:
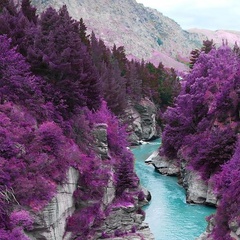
(70, 107)
(168, 214)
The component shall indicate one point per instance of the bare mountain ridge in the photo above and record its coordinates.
(144, 32)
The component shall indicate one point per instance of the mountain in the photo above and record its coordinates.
(144, 32)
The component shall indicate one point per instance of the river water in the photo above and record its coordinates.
(168, 214)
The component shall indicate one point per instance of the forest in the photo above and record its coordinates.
(202, 128)
(56, 84)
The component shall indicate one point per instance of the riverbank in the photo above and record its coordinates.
(168, 214)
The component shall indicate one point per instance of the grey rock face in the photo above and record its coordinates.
(197, 191)
(143, 118)
(51, 222)
(143, 233)
(109, 194)
(195, 187)
(147, 112)
(163, 165)
(235, 230)
(233, 226)
(101, 143)
(123, 218)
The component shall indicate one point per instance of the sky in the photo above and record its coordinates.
(203, 14)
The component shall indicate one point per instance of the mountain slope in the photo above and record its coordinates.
(144, 32)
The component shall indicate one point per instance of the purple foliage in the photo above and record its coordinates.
(92, 186)
(123, 158)
(134, 229)
(17, 82)
(29, 11)
(219, 145)
(59, 56)
(228, 187)
(202, 128)
(22, 218)
(141, 196)
(31, 156)
(50, 93)
(15, 234)
(83, 222)
(197, 108)
(118, 233)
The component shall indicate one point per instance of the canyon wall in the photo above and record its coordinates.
(142, 121)
(124, 219)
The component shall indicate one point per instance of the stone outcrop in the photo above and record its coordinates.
(143, 233)
(142, 118)
(197, 190)
(101, 143)
(205, 235)
(163, 165)
(51, 222)
(235, 230)
(123, 221)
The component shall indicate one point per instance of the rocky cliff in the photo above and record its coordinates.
(50, 224)
(124, 219)
(142, 119)
(144, 32)
(197, 191)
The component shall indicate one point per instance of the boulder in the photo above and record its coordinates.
(235, 230)
(163, 165)
(196, 189)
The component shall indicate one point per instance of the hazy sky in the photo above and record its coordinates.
(207, 14)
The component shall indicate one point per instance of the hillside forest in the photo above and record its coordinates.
(56, 84)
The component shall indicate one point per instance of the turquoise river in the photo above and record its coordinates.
(168, 214)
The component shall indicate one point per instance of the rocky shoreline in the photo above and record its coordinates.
(124, 220)
(197, 191)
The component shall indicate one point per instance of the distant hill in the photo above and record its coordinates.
(144, 32)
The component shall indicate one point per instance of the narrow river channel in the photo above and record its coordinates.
(168, 214)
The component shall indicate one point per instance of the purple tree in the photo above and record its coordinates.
(59, 56)
(199, 108)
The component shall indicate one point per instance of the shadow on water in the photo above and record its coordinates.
(168, 214)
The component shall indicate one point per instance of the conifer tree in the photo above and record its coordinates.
(205, 110)
(83, 33)
(29, 11)
(60, 57)
(3, 4)
(134, 83)
(118, 54)
(114, 89)
(206, 48)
